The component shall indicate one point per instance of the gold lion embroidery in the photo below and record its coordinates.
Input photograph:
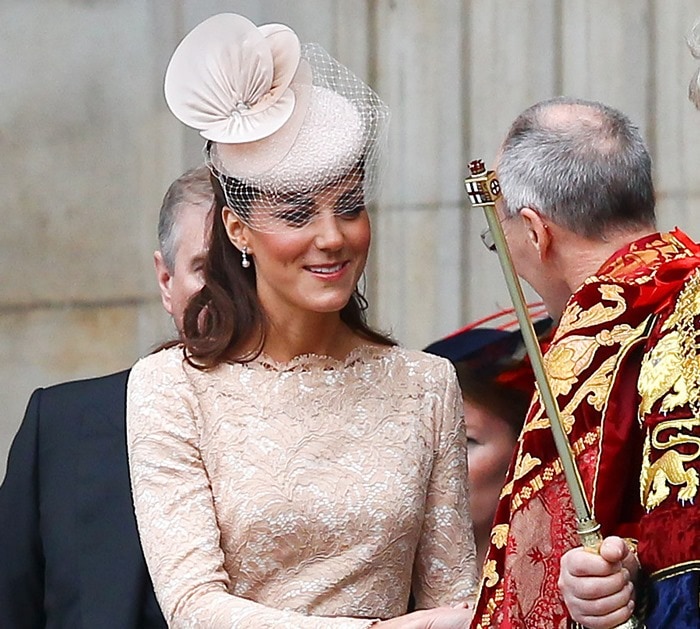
(656, 478)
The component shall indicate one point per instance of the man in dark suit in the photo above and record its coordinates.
(70, 555)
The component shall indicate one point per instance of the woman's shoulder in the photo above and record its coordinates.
(167, 356)
(416, 364)
(165, 364)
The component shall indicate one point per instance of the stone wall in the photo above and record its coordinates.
(89, 148)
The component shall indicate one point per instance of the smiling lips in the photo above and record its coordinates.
(328, 271)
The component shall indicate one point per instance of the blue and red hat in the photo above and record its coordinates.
(494, 346)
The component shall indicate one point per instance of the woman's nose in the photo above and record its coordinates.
(329, 234)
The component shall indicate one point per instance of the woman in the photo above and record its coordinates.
(497, 383)
(292, 467)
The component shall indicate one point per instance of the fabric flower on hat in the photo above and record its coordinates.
(230, 79)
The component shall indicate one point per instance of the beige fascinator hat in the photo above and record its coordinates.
(283, 121)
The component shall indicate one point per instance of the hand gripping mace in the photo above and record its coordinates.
(483, 189)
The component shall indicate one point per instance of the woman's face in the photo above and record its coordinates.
(491, 443)
(316, 255)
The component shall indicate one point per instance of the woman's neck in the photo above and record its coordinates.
(316, 333)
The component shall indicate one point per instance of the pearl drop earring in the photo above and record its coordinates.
(245, 263)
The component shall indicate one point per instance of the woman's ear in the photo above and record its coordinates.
(538, 232)
(235, 229)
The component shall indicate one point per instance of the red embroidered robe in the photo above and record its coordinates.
(593, 365)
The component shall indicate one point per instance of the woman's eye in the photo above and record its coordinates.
(350, 208)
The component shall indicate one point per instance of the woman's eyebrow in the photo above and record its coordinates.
(295, 198)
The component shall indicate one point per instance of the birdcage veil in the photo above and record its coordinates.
(289, 129)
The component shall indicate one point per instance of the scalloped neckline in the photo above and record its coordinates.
(311, 361)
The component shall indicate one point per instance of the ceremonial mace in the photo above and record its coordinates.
(483, 190)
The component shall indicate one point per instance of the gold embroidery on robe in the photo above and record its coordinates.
(661, 374)
(539, 421)
(688, 309)
(537, 482)
(688, 304)
(571, 356)
(666, 247)
(575, 316)
(594, 389)
(499, 535)
(490, 575)
(525, 463)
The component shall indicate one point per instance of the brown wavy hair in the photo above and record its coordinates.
(225, 321)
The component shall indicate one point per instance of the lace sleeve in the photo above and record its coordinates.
(176, 514)
(445, 570)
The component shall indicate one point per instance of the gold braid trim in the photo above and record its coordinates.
(537, 482)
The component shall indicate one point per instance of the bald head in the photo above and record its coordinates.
(581, 164)
(602, 129)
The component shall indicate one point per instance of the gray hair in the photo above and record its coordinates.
(589, 172)
(191, 188)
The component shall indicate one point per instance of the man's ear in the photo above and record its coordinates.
(235, 229)
(165, 279)
(537, 231)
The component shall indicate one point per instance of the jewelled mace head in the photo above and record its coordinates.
(482, 186)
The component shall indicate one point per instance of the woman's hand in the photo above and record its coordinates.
(458, 617)
(598, 589)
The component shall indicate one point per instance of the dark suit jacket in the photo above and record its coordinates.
(70, 556)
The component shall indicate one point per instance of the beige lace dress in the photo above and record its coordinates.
(312, 494)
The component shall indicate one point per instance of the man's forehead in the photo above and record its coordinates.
(193, 213)
(193, 224)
